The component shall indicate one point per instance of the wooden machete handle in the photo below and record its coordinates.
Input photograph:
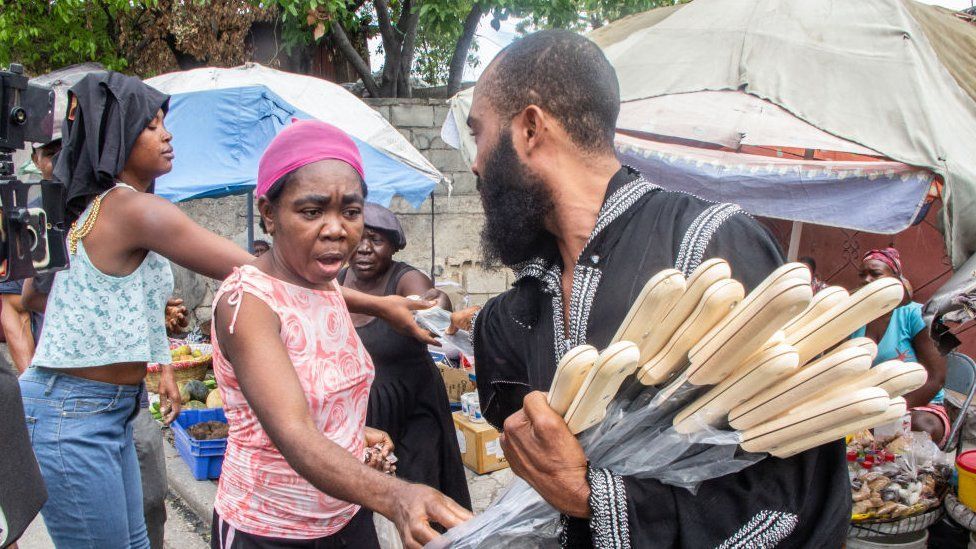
(715, 304)
(658, 331)
(809, 381)
(897, 407)
(659, 295)
(758, 372)
(589, 407)
(570, 373)
(815, 416)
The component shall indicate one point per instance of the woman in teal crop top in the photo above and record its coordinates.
(106, 312)
(901, 335)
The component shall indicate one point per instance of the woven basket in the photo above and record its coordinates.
(960, 513)
(183, 371)
(915, 523)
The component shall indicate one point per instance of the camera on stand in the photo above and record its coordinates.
(32, 227)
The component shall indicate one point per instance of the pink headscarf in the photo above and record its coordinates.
(302, 143)
(888, 256)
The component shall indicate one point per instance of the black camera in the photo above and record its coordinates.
(32, 228)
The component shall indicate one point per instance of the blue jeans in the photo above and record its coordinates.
(81, 431)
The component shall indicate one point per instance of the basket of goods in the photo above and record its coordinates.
(703, 379)
(190, 361)
(897, 484)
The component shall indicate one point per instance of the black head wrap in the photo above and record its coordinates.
(106, 113)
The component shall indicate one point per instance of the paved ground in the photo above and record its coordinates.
(190, 505)
(190, 502)
(183, 530)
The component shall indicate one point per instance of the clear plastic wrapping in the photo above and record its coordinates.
(635, 439)
(437, 320)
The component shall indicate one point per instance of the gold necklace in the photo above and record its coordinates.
(76, 234)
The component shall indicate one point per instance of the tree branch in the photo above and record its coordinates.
(461, 49)
(391, 48)
(390, 40)
(111, 23)
(410, 17)
(350, 53)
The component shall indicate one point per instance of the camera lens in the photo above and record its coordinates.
(18, 115)
(33, 237)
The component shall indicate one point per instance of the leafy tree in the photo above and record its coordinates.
(146, 37)
(47, 35)
(429, 38)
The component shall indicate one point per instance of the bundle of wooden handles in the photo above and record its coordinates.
(772, 359)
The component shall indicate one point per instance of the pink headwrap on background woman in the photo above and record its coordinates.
(302, 143)
(892, 258)
(889, 256)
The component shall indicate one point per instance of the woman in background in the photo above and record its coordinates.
(901, 335)
(408, 399)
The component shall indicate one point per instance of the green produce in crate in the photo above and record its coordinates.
(195, 405)
(197, 390)
(154, 411)
(211, 383)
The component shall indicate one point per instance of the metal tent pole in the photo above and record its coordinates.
(795, 241)
(433, 277)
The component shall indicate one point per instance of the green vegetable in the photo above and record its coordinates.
(210, 383)
(197, 390)
(184, 393)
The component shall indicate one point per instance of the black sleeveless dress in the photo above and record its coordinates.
(408, 400)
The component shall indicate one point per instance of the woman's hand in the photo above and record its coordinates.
(176, 316)
(462, 320)
(415, 507)
(398, 311)
(169, 394)
(379, 451)
(375, 437)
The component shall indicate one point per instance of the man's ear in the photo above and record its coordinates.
(529, 127)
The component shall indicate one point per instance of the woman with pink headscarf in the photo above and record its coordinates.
(294, 376)
(901, 335)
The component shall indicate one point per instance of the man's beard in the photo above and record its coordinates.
(516, 204)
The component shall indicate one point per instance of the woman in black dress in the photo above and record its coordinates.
(408, 399)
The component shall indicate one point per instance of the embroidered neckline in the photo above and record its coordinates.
(586, 277)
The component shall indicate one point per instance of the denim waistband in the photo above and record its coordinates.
(52, 378)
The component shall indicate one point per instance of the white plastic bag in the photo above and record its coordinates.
(386, 532)
(635, 439)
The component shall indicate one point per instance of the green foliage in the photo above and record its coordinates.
(46, 35)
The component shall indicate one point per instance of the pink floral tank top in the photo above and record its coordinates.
(258, 492)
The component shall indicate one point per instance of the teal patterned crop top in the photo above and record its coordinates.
(93, 319)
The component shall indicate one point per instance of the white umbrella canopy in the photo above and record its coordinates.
(318, 98)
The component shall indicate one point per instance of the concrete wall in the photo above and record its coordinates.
(457, 217)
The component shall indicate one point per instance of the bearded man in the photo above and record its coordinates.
(584, 235)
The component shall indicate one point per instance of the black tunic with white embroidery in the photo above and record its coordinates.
(803, 501)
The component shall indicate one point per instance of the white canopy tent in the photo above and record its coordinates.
(873, 80)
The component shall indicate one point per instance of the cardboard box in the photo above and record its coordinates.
(481, 451)
(457, 381)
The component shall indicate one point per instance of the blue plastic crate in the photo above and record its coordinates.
(205, 458)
